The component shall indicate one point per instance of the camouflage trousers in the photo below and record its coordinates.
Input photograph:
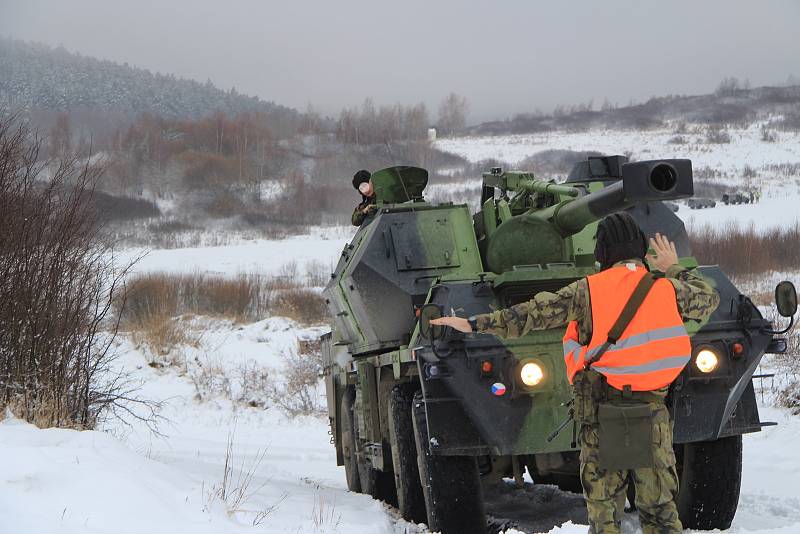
(656, 487)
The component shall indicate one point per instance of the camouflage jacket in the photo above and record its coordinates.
(696, 300)
(359, 214)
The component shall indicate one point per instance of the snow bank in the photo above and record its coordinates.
(67, 481)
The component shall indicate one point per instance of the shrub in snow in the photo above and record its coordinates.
(254, 385)
(768, 135)
(210, 380)
(299, 394)
(56, 286)
(716, 136)
(790, 398)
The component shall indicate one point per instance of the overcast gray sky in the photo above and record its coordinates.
(504, 56)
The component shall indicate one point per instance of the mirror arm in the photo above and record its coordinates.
(779, 332)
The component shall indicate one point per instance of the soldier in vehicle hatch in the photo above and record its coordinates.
(362, 182)
(622, 351)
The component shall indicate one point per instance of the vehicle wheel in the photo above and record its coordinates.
(379, 484)
(451, 484)
(374, 482)
(349, 441)
(710, 474)
(410, 500)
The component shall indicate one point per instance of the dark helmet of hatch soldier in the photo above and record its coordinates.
(619, 238)
(360, 177)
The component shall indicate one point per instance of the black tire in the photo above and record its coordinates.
(348, 429)
(710, 475)
(451, 485)
(410, 499)
(378, 484)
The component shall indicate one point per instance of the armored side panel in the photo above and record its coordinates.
(388, 268)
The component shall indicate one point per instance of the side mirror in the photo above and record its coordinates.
(786, 298)
(426, 329)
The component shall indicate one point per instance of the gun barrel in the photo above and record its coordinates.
(538, 186)
(641, 182)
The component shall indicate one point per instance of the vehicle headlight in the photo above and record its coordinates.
(531, 373)
(706, 360)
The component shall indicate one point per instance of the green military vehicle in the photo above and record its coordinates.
(425, 417)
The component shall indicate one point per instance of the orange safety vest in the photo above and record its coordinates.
(653, 349)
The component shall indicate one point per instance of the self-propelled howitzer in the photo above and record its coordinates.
(536, 225)
(423, 419)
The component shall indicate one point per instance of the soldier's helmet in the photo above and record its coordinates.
(360, 177)
(619, 238)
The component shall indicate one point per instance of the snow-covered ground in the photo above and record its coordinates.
(322, 245)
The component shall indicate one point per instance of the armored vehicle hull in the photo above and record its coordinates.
(425, 421)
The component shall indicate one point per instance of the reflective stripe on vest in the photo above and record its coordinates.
(654, 348)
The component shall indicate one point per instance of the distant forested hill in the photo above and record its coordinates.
(37, 77)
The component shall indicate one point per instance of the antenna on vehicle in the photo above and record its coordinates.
(399, 176)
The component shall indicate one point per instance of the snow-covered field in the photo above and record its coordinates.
(282, 473)
(781, 193)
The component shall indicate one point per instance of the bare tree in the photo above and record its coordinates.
(57, 285)
(452, 114)
(60, 137)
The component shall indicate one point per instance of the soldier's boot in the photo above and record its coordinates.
(656, 489)
(604, 492)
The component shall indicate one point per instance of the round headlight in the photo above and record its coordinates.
(706, 360)
(531, 374)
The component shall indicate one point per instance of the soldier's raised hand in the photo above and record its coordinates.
(665, 253)
(458, 323)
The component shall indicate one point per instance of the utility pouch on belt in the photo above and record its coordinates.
(625, 436)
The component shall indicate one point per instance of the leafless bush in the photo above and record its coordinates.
(768, 135)
(731, 86)
(749, 172)
(788, 395)
(298, 395)
(715, 136)
(782, 169)
(169, 226)
(155, 296)
(317, 274)
(790, 398)
(210, 380)
(255, 384)
(303, 305)
(152, 300)
(746, 251)
(162, 336)
(677, 140)
(56, 288)
(707, 173)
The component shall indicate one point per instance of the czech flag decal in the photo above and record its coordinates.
(498, 389)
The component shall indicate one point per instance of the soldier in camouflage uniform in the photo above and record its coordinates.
(362, 182)
(605, 490)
